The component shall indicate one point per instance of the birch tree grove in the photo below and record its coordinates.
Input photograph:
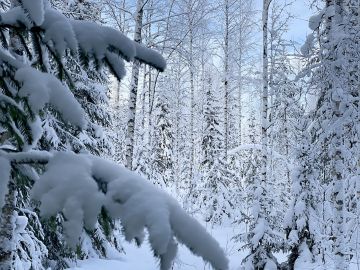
(212, 134)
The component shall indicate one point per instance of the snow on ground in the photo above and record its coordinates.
(142, 259)
(135, 258)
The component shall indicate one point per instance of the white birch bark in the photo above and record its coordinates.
(240, 86)
(226, 78)
(133, 89)
(192, 104)
(265, 93)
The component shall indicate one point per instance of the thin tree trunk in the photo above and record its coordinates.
(7, 227)
(192, 112)
(239, 99)
(117, 98)
(226, 82)
(265, 92)
(134, 89)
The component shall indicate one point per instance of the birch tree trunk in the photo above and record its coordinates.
(134, 88)
(192, 109)
(226, 78)
(240, 74)
(265, 92)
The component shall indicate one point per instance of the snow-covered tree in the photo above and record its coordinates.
(216, 179)
(89, 88)
(79, 9)
(162, 157)
(261, 239)
(249, 171)
(300, 224)
(333, 73)
(285, 110)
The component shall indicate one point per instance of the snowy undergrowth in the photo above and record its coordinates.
(141, 257)
(126, 196)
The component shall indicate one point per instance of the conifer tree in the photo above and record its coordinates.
(333, 73)
(36, 53)
(249, 172)
(285, 109)
(162, 159)
(300, 223)
(216, 180)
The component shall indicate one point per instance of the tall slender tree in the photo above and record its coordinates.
(334, 77)
(41, 56)
(134, 88)
(216, 180)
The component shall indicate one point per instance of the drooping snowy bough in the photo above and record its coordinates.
(78, 185)
(102, 44)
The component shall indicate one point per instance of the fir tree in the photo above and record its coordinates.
(162, 159)
(334, 77)
(300, 224)
(216, 179)
(34, 50)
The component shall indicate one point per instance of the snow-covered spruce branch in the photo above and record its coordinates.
(71, 179)
(256, 147)
(31, 157)
(102, 43)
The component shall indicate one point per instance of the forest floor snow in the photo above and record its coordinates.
(141, 258)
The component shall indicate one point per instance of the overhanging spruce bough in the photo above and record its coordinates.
(69, 179)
